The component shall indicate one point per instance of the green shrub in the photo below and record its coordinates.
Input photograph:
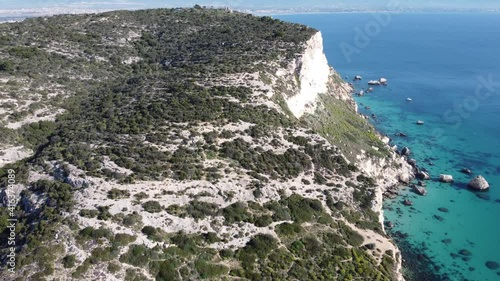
(88, 213)
(6, 66)
(149, 230)
(69, 261)
(263, 221)
(116, 193)
(236, 212)
(114, 267)
(288, 229)
(137, 255)
(152, 207)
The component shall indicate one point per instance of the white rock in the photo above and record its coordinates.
(479, 183)
(446, 178)
(313, 70)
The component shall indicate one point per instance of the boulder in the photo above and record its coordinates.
(446, 178)
(466, 171)
(493, 265)
(419, 190)
(404, 178)
(412, 163)
(421, 175)
(479, 183)
(405, 151)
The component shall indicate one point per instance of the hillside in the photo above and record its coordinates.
(186, 144)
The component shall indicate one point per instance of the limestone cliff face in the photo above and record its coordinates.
(312, 74)
(313, 77)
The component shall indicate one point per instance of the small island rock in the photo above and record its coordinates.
(446, 178)
(479, 183)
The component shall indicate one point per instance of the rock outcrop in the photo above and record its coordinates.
(479, 183)
(446, 178)
(313, 73)
(405, 151)
(421, 175)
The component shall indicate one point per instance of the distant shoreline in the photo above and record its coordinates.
(29, 13)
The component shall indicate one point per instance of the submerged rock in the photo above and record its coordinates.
(401, 135)
(421, 183)
(439, 218)
(446, 178)
(465, 252)
(466, 171)
(419, 190)
(479, 183)
(483, 196)
(492, 265)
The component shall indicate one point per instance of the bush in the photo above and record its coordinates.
(6, 66)
(236, 212)
(137, 255)
(116, 193)
(263, 221)
(152, 207)
(148, 230)
(288, 229)
(69, 261)
(114, 267)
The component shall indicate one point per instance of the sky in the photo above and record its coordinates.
(252, 4)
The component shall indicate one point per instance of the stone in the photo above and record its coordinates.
(421, 175)
(465, 252)
(483, 196)
(370, 246)
(404, 178)
(466, 171)
(419, 190)
(446, 178)
(405, 151)
(493, 265)
(439, 218)
(444, 210)
(412, 162)
(479, 183)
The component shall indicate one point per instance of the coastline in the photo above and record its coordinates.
(389, 175)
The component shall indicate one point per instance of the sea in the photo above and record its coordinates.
(448, 64)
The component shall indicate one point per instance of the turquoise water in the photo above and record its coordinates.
(436, 60)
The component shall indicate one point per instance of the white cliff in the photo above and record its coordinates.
(314, 77)
(312, 74)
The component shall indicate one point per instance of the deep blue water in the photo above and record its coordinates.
(437, 61)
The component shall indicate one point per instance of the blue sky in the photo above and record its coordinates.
(120, 4)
